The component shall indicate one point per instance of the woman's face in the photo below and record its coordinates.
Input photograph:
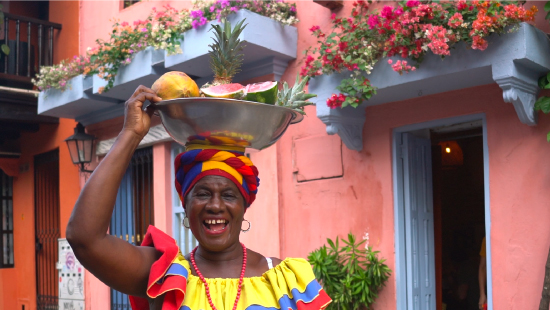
(215, 208)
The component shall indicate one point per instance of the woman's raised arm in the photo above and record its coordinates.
(115, 262)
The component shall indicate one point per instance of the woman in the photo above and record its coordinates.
(216, 188)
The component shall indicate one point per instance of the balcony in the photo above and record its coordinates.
(514, 61)
(31, 43)
(263, 55)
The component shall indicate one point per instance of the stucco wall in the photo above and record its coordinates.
(361, 201)
(291, 218)
(18, 284)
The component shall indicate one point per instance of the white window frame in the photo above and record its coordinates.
(183, 236)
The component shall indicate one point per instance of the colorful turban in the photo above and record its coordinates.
(192, 165)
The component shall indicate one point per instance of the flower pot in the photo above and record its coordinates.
(269, 46)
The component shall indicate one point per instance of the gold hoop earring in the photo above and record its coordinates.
(249, 226)
(186, 222)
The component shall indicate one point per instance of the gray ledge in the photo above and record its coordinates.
(514, 61)
(155, 135)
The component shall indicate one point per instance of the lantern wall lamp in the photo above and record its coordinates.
(81, 147)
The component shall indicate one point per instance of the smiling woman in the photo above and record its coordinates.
(216, 187)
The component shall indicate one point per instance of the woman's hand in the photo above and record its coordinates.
(136, 119)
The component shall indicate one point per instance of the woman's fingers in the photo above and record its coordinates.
(139, 100)
(141, 89)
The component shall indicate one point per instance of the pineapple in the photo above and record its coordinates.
(295, 97)
(225, 56)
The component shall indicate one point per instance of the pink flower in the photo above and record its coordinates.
(373, 21)
(333, 16)
(479, 43)
(412, 4)
(387, 12)
(456, 20)
(401, 66)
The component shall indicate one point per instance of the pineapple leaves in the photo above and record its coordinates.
(295, 98)
(225, 53)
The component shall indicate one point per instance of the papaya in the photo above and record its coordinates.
(175, 84)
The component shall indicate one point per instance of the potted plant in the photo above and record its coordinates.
(351, 273)
(408, 30)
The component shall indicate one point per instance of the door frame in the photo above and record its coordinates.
(398, 198)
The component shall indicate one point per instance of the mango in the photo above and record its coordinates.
(175, 84)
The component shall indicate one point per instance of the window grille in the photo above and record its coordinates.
(133, 211)
(47, 229)
(184, 238)
(6, 227)
(128, 3)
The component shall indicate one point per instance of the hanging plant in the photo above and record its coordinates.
(408, 30)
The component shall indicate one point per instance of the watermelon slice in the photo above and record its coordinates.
(232, 91)
(265, 92)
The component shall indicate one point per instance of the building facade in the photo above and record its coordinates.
(426, 170)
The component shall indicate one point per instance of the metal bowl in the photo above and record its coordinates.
(226, 122)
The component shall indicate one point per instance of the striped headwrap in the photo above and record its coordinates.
(192, 165)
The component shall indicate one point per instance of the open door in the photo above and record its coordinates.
(419, 227)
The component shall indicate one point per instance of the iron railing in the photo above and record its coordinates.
(31, 43)
(46, 208)
(133, 211)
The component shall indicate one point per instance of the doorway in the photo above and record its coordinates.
(46, 219)
(442, 212)
(459, 213)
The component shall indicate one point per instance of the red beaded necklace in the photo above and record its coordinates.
(192, 255)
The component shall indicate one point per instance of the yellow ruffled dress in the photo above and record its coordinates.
(289, 285)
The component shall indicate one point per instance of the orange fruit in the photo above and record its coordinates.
(175, 84)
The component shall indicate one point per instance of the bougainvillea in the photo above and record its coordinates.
(408, 30)
(162, 29)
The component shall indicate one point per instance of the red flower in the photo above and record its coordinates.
(314, 28)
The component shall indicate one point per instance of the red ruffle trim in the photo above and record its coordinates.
(172, 286)
(319, 303)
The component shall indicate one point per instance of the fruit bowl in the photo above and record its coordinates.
(225, 122)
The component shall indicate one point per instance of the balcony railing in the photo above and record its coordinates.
(31, 43)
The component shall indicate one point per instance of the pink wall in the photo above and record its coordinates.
(361, 201)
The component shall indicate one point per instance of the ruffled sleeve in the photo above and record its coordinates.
(168, 274)
(294, 285)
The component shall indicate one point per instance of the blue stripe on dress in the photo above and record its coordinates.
(175, 270)
(285, 302)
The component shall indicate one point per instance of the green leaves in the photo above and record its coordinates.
(543, 104)
(5, 49)
(351, 274)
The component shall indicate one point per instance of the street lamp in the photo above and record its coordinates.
(81, 147)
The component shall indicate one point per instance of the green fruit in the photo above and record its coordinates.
(265, 92)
